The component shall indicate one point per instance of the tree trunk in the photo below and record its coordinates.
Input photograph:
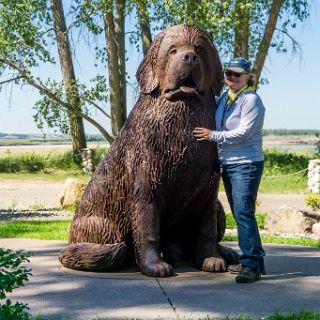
(241, 34)
(144, 24)
(115, 42)
(267, 37)
(69, 79)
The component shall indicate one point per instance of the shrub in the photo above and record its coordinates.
(13, 275)
(313, 200)
(35, 162)
(277, 162)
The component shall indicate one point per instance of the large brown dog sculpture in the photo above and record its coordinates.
(155, 191)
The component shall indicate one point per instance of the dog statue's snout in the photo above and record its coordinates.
(190, 57)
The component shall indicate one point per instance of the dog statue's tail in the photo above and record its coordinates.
(93, 256)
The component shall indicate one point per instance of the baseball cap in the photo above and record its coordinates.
(239, 65)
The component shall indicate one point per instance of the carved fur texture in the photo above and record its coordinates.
(154, 195)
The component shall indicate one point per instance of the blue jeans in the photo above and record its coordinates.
(241, 182)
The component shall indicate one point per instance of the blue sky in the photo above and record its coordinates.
(290, 97)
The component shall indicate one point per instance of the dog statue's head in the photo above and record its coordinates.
(181, 63)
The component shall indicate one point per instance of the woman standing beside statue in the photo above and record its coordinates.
(239, 121)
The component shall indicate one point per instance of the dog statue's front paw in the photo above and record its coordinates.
(214, 264)
(157, 269)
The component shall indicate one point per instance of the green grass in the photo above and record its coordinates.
(282, 240)
(44, 230)
(231, 224)
(302, 315)
(58, 230)
(47, 175)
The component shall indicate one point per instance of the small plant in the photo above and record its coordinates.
(313, 200)
(38, 205)
(317, 146)
(13, 275)
(14, 204)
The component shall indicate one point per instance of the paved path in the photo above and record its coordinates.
(292, 282)
(25, 194)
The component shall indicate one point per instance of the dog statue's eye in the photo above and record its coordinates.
(199, 50)
(173, 51)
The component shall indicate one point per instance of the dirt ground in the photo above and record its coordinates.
(41, 194)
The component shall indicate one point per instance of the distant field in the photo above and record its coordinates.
(23, 146)
(304, 144)
(281, 143)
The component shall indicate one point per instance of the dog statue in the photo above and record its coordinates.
(154, 195)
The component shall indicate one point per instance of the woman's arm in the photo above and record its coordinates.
(252, 117)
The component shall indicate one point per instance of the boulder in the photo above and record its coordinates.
(72, 192)
(291, 220)
(316, 229)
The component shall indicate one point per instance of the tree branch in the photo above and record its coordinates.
(10, 80)
(43, 89)
(96, 106)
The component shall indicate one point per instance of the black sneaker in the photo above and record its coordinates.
(236, 268)
(248, 275)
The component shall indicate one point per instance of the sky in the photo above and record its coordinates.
(289, 98)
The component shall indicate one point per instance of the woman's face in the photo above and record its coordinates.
(236, 81)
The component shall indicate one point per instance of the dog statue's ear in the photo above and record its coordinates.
(218, 78)
(146, 73)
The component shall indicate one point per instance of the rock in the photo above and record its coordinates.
(72, 192)
(291, 220)
(316, 229)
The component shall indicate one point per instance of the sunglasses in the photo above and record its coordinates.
(234, 74)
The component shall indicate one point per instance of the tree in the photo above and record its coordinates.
(26, 29)
(238, 27)
(114, 18)
(69, 79)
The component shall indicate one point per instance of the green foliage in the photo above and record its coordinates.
(313, 200)
(22, 37)
(220, 18)
(277, 162)
(37, 162)
(13, 275)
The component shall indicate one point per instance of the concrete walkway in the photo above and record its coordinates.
(292, 282)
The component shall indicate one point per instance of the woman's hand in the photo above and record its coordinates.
(201, 134)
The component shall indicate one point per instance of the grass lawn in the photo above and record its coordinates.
(58, 230)
(48, 175)
(302, 315)
(44, 230)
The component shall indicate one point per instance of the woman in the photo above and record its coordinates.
(239, 121)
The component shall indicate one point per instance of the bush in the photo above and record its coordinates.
(13, 275)
(277, 162)
(313, 200)
(35, 162)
